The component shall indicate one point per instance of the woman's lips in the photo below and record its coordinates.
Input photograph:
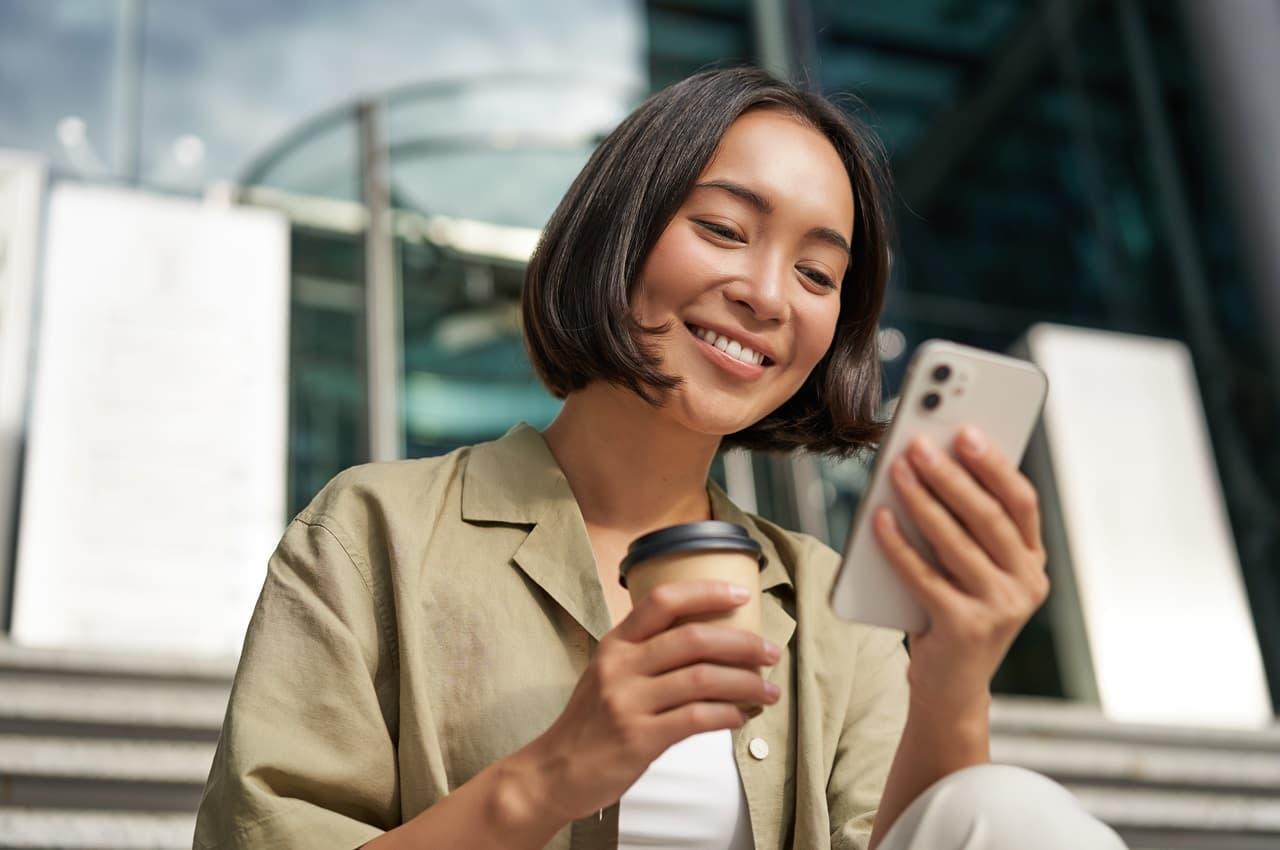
(732, 365)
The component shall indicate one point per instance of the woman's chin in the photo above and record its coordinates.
(719, 419)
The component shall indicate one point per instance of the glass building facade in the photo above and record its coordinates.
(1053, 162)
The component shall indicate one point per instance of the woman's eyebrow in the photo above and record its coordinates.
(762, 205)
(751, 196)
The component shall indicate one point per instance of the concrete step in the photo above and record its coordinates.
(1146, 764)
(1066, 719)
(124, 742)
(29, 828)
(1183, 820)
(112, 774)
(1074, 742)
(36, 703)
(114, 664)
(1159, 786)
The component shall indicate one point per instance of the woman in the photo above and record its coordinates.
(442, 655)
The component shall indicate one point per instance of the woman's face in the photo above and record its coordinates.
(756, 253)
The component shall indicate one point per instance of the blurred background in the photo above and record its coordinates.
(244, 246)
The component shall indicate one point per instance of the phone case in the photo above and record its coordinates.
(1003, 396)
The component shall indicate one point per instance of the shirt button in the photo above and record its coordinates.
(758, 747)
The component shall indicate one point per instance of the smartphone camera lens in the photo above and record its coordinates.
(942, 373)
(931, 400)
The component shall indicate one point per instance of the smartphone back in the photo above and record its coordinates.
(1003, 396)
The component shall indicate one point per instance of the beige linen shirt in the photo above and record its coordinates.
(423, 618)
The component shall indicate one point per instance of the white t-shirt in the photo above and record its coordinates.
(690, 798)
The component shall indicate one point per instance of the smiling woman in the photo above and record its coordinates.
(443, 655)
(752, 258)
(743, 206)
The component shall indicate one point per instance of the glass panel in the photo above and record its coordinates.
(321, 160)
(467, 378)
(499, 149)
(686, 37)
(478, 167)
(326, 400)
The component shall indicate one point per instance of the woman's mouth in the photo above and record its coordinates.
(729, 355)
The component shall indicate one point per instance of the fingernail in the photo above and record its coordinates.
(971, 441)
(771, 650)
(772, 690)
(738, 593)
(924, 452)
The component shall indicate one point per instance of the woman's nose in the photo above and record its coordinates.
(763, 291)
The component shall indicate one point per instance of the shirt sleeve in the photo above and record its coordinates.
(307, 754)
(873, 726)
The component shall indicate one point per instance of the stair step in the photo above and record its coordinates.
(68, 829)
(1141, 764)
(115, 663)
(89, 758)
(1016, 715)
(1185, 810)
(119, 775)
(1184, 820)
(112, 750)
(38, 703)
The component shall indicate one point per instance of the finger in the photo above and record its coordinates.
(692, 718)
(1001, 476)
(658, 609)
(931, 588)
(955, 547)
(701, 682)
(985, 517)
(692, 642)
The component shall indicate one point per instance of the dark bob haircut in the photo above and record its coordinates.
(578, 288)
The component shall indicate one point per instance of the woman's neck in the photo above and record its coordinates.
(630, 469)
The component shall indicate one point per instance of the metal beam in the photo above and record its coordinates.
(1236, 48)
(382, 327)
(771, 31)
(126, 89)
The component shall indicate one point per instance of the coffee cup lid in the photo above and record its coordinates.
(690, 537)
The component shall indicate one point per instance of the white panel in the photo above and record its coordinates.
(155, 481)
(22, 181)
(1160, 592)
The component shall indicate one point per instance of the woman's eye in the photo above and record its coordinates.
(819, 277)
(720, 230)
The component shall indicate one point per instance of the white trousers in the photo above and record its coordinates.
(998, 807)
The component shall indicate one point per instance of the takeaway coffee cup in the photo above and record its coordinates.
(693, 551)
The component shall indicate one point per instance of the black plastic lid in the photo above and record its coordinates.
(689, 537)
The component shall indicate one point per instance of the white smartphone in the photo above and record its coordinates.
(947, 386)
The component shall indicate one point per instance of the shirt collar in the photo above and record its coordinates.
(516, 479)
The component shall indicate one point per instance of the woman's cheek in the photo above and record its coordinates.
(824, 335)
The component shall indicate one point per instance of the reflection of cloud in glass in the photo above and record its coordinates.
(54, 62)
(240, 73)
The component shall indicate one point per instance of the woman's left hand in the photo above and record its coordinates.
(982, 517)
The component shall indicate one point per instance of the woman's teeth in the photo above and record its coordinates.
(730, 347)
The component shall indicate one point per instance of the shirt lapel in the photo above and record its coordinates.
(775, 622)
(515, 479)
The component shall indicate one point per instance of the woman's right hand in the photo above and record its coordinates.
(648, 686)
